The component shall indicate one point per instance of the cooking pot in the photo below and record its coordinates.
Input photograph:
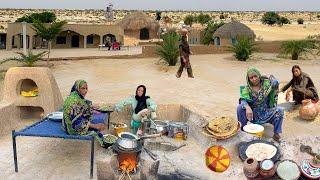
(129, 141)
(158, 126)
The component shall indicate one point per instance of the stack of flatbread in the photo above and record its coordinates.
(222, 128)
(261, 151)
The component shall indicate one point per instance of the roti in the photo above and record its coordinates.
(261, 151)
(253, 128)
(223, 125)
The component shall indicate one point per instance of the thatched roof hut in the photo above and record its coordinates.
(139, 20)
(234, 29)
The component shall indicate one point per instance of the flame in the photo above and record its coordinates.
(127, 161)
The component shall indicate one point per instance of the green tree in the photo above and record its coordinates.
(168, 50)
(28, 60)
(203, 18)
(270, 18)
(209, 31)
(300, 21)
(44, 17)
(189, 20)
(243, 49)
(158, 15)
(48, 32)
(283, 20)
(297, 47)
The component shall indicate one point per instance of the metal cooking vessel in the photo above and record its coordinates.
(158, 126)
(130, 141)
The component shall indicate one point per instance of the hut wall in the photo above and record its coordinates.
(96, 42)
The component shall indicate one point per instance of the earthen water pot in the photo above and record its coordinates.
(308, 110)
(251, 168)
(267, 168)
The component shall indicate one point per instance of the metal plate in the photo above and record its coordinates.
(243, 146)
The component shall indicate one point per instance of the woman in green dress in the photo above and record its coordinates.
(142, 106)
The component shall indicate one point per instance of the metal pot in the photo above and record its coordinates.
(158, 126)
(129, 141)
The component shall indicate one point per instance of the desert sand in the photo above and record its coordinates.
(213, 92)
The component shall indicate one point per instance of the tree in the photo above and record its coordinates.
(28, 60)
(158, 15)
(297, 47)
(300, 21)
(270, 18)
(243, 49)
(189, 20)
(44, 17)
(283, 20)
(209, 31)
(222, 16)
(48, 32)
(168, 50)
(203, 18)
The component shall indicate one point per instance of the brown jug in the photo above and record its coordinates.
(308, 110)
(267, 168)
(251, 168)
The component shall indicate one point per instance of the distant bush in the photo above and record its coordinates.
(297, 47)
(209, 31)
(222, 16)
(300, 21)
(158, 15)
(203, 18)
(283, 20)
(243, 49)
(44, 17)
(270, 18)
(318, 16)
(189, 20)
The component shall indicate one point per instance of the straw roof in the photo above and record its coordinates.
(234, 29)
(138, 20)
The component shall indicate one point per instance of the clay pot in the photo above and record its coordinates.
(308, 110)
(267, 168)
(251, 168)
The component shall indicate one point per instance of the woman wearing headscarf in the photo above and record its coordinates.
(185, 52)
(142, 106)
(301, 85)
(258, 102)
(78, 114)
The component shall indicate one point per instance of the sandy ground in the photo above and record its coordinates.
(285, 32)
(214, 90)
(69, 53)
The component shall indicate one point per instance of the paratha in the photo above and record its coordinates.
(261, 151)
(223, 125)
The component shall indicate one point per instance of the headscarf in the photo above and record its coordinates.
(142, 100)
(77, 111)
(266, 89)
(76, 87)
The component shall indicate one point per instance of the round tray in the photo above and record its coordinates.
(290, 161)
(243, 146)
(309, 171)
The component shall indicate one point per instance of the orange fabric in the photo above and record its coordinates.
(217, 159)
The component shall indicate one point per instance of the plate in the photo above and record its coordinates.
(243, 146)
(309, 171)
(253, 128)
(55, 116)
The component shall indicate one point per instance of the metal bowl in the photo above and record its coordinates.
(125, 143)
(159, 126)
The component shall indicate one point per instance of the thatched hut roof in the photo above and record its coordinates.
(234, 29)
(139, 20)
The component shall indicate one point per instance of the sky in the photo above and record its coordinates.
(205, 5)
